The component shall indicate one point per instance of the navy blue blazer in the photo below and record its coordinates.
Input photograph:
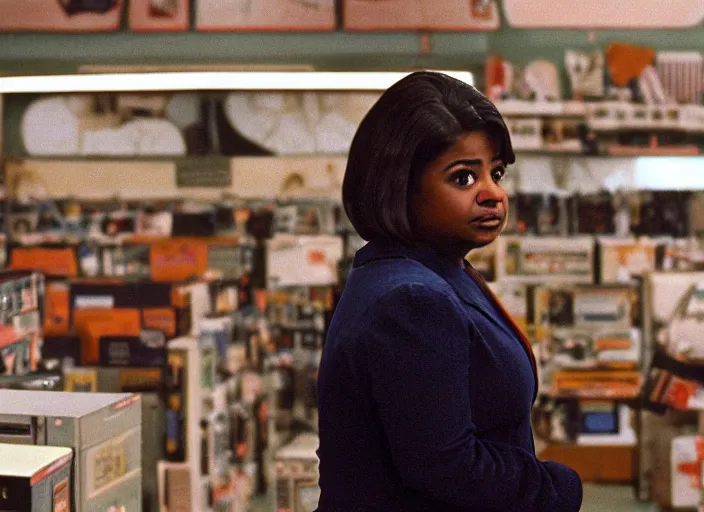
(425, 392)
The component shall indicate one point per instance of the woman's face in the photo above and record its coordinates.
(459, 204)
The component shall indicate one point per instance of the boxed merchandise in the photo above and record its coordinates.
(180, 488)
(602, 308)
(146, 350)
(125, 317)
(612, 384)
(21, 297)
(585, 307)
(294, 260)
(622, 259)
(541, 259)
(687, 456)
(62, 350)
(297, 487)
(35, 478)
(604, 349)
(50, 261)
(103, 429)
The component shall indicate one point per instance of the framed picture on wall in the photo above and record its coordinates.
(159, 15)
(441, 15)
(265, 15)
(60, 15)
(604, 14)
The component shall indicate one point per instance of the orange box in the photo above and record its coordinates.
(50, 261)
(178, 259)
(91, 324)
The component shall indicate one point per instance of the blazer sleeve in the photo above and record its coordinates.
(420, 369)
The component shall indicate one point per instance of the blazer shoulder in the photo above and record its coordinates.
(403, 283)
(387, 275)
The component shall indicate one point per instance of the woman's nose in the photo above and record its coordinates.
(491, 193)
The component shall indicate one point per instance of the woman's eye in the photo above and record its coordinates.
(463, 179)
(498, 174)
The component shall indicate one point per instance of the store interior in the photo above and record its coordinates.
(174, 243)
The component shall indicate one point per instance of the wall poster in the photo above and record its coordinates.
(440, 15)
(60, 15)
(616, 14)
(265, 15)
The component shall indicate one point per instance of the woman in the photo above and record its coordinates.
(425, 385)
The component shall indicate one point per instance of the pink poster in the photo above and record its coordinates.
(265, 15)
(60, 15)
(604, 14)
(159, 15)
(438, 15)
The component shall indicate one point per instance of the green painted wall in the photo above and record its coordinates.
(49, 53)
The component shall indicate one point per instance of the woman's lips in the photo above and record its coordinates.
(489, 221)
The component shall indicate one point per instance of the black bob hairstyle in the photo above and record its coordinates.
(413, 122)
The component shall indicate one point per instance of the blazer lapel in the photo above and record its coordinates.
(528, 347)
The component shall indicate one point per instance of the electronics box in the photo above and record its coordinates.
(104, 431)
(536, 260)
(297, 488)
(35, 479)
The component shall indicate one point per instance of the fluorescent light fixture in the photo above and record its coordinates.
(210, 80)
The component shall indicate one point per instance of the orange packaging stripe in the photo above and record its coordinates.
(208, 240)
(613, 344)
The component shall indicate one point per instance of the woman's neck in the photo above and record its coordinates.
(454, 252)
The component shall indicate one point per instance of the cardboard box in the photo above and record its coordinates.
(35, 478)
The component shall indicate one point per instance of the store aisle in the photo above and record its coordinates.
(613, 498)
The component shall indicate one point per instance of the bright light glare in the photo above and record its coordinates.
(669, 173)
(215, 80)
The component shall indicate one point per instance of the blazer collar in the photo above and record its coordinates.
(455, 275)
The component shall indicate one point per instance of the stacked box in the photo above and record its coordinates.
(35, 479)
(104, 430)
